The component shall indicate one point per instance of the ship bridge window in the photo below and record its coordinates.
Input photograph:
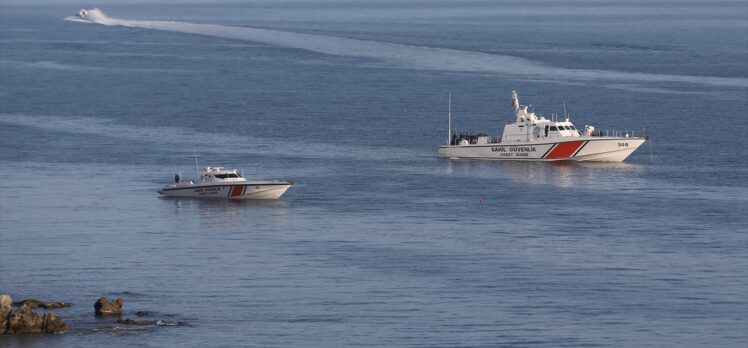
(224, 176)
(572, 128)
(553, 128)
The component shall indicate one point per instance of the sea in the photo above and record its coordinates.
(381, 242)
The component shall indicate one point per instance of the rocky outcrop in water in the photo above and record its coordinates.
(32, 303)
(5, 308)
(133, 322)
(105, 306)
(25, 320)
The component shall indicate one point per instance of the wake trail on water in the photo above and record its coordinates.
(185, 138)
(419, 57)
(208, 143)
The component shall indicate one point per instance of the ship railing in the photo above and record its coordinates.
(474, 138)
(614, 133)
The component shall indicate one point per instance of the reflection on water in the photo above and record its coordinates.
(223, 204)
(230, 212)
(561, 174)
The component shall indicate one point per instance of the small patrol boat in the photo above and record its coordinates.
(535, 138)
(218, 182)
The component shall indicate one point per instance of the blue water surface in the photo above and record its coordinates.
(380, 242)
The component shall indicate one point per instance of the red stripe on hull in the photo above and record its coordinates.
(565, 150)
(236, 191)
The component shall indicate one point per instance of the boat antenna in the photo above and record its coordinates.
(565, 114)
(197, 168)
(449, 114)
(651, 154)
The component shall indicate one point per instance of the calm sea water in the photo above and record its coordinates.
(380, 242)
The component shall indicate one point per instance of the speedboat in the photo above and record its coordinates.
(218, 182)
(535, 138)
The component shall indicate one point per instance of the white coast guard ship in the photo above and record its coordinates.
(533, 137)
(218, 182)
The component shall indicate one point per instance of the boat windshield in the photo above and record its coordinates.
(224, 176)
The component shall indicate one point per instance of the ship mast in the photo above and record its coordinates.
(515, 105)
(449, 114)
(197, 168)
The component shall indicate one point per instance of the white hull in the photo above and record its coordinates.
(239, 190)
(597, 149)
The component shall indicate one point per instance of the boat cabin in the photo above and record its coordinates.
(219, 174)
(527, 127)
(530, 127)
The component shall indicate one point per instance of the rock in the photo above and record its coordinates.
(143, 313)
(104, 306)
(32, 303)
(24, 320)
(5, 308)
(133, 322)
(6, 300)
(51, 323)
(52, 305)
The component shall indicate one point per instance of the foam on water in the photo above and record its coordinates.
(94, 15)
(419, 57)
(184, 138)
(44, 64)
(626, 175)
(49, 65)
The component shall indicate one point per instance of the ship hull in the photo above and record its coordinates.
(593, 149)
(247, 190)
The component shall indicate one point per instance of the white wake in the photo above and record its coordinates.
(185, 138)
(418, 57)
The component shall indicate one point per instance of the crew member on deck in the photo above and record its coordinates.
(176, 178)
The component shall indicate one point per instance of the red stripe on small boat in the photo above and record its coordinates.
(565, 150)
(237, 190)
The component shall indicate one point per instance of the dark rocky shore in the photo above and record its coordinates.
(24, 319)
